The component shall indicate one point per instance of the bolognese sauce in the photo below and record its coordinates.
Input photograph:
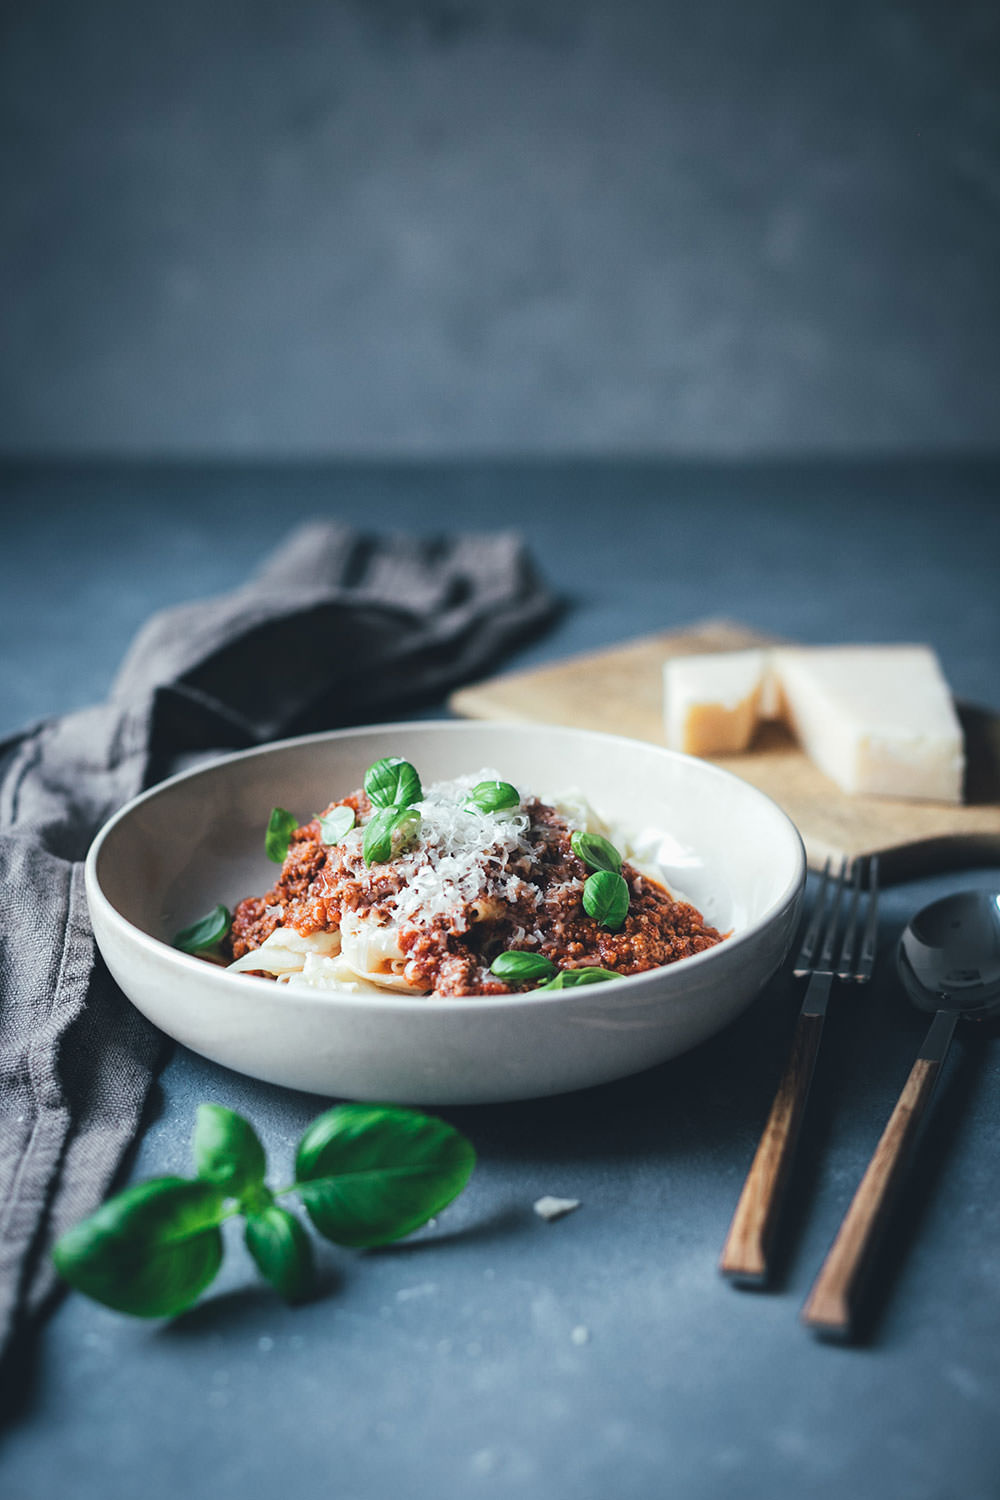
(469, 886)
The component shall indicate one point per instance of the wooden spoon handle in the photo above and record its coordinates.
(751, 1234)
(832, 1304)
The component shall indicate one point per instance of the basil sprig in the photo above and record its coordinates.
(393, 783)
(388, 832)
(596, 852)
(568, 979)
(366, 1174)
(605, 893)
(334, 825)
(207, 932)
(393, 786)
(519, 967)
(605, 898)
(280, 827)
(493, 796)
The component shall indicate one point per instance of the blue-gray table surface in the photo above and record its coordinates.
(599, 1356)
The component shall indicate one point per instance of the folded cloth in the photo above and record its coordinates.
(336, 628)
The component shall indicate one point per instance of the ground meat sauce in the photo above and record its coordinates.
(532, 901)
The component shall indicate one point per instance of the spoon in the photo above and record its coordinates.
(949, 961)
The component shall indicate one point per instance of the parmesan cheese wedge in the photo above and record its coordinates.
(712, 702)
(878, 720)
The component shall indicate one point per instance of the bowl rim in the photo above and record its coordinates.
(308, 996)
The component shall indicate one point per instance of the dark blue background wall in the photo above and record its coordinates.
(434, 226)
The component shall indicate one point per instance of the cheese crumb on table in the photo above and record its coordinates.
(555, 1208)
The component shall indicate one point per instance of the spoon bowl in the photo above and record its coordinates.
(949, 956)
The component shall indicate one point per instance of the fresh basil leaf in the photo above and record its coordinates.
(333, 827)
(376, 845)
(205, 933)
(282, 1250)
(227, 1150)
(280, 827)
(368, 1174)
(596, 852)
(605, 898)
(388, 832)
(393, 783)
(520, 967)
(150, 1251)
(568, 979)
(493, 796)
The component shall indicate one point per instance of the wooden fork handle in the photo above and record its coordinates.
(751, 1234)
(832, 1304)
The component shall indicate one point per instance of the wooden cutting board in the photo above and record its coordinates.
(620, 690)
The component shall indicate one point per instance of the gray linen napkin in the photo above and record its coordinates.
(336, 628)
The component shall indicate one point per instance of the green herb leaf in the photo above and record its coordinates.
(280, 827)
(388, 832)
(605, 898)
(333, 827)
(282, 1250)
(393, 783)
(227, 1150)
(149, 1251)
(596, 852)
(568, 979)
(520, 967)
(368, 1174)
(493, 796)
(205, 933)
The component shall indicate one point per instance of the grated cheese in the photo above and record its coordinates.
(462, 855)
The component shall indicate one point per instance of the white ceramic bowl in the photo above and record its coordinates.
(198, 839)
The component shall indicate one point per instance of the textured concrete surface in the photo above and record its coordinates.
(599, 1356)
(454, 226)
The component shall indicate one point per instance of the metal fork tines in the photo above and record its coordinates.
(854, 963)
(751, 1235)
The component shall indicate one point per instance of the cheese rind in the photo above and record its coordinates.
(878, 720)
(712, 702)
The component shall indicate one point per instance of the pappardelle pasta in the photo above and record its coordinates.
(468, 887)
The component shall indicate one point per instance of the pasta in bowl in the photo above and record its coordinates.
(470, 887)
(452, 941)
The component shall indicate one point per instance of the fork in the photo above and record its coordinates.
(745, 1255)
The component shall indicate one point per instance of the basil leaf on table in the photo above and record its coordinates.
(520, 967)
(282, 1250)
(336, 824)
(493, 796)
(227, 1150)
(596, 852)
(388, 832)
(393, 783)
(205, 933)
(150, 1251)
(368, 1174)
(568, 979)
(280, 827)
(605, 898)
